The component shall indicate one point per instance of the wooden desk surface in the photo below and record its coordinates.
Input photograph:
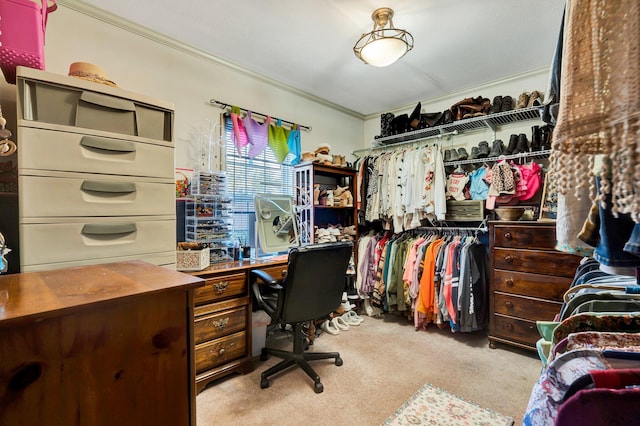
(242, 265)
(47, 293)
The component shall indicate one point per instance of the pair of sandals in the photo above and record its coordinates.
(342, 322)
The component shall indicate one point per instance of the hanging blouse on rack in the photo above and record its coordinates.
(257, 133)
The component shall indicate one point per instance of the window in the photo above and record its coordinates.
(247, 177)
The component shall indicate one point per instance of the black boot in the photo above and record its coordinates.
(483, 149)
(497, 148)
(475, 151)
(535, 138)
(513, 141)
(462, 153)
(496, 106)
(447, 155)
(454, 155)
(522, 145)
(545, 137)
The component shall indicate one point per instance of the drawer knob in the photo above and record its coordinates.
(508, 258)
(508, 304)
(510, 326)
(221, 323)
(509, 282)
(221, 352)
(221, 286)
(508, 236)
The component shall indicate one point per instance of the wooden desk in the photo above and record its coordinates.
(222, 327)
(107, 344)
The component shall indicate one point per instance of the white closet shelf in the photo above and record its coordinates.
(491, 121)
(543, 153)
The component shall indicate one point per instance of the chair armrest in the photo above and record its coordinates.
(264, 277)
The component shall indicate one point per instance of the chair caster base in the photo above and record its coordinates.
(264, 383)
(338, 362)
(318, 387)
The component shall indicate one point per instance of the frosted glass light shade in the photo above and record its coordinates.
(383, 51)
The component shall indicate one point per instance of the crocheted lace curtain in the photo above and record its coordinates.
(600, 102)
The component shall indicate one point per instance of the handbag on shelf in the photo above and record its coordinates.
(22, 31)
(432, 119)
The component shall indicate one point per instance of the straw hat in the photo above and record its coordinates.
(90, 72)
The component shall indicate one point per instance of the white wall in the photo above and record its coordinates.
(140, 64)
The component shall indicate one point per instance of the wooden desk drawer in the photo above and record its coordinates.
(515, 329)
(219, 324)
(220, 351)
(536, 261)
(277, 272)
(525, 307)
(220, 287)
(532, 237)
(533, 285)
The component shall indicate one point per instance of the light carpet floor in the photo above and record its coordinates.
(385, 361)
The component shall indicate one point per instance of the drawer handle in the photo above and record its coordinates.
(107, 101)
(509, 282)
(510, 326)
(111, 187)
(508, 236)
(221, 286)
(107, 144)
(221, 352)
(221, 323)
(108, 228)
(508, 304)
(509, 259)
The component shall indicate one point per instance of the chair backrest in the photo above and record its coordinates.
(315, 281)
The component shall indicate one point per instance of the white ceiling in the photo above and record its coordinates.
(307, 44)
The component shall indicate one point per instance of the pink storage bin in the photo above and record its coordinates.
(22, 30)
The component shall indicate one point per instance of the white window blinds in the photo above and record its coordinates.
(247, 177)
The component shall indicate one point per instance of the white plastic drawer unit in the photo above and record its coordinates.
(61, 240)
(68, 101)
(82, 194)
(75, 152)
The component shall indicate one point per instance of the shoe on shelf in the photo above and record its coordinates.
(507, 103)
(462, 153)
(474, 152)
(483, 149)
(496, 106)
(454, 155)
(497, 148)
(513, 142)
(535, 99)
(523, 100)
(523, 144)
(535, 138)
(447, 155)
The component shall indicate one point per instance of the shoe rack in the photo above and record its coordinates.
(322, 212)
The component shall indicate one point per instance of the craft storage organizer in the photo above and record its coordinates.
(208, 215)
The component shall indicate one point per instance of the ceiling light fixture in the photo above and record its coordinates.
(384, 44)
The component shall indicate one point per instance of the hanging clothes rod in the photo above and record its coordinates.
(482, 227)
(291, 123)
(357, 152)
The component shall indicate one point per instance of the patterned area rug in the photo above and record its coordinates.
(434, 406)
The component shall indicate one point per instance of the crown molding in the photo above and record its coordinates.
(125, 24)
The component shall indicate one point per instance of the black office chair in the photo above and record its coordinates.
(311, 289)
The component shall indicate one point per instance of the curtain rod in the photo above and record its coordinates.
(357, 152)
(225, 105)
